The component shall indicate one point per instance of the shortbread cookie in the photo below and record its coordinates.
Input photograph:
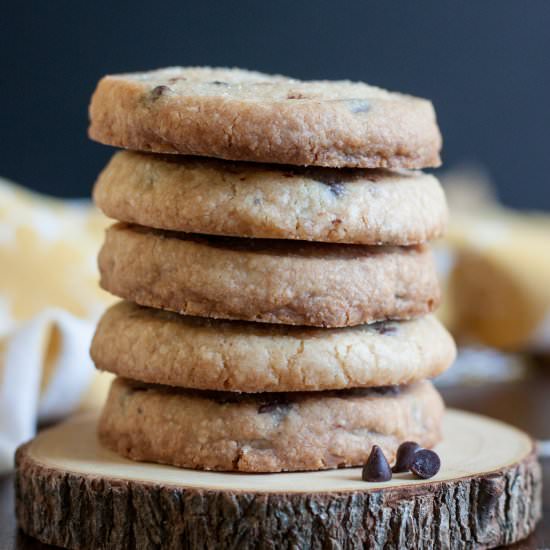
(241, 115)
(289, 282)
(266, 432)
(253, 200)
(161, 347)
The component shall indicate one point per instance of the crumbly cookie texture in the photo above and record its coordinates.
(241, 115)
(215, 197)
(266, 432)
(161, 347)
(289, 282)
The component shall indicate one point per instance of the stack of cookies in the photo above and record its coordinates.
(270, 249)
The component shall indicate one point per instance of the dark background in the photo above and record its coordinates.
(485, 64)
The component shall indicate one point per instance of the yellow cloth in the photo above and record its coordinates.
(497, 266)
(49, 302)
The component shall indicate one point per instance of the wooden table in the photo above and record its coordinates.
(525, 404)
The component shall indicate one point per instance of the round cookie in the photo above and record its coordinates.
(241, 115)
(289, 282)
(266, 432)
(215, 197)
(161, 347)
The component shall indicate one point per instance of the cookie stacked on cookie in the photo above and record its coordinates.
(270, 249)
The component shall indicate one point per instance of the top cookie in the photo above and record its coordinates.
(242, 115)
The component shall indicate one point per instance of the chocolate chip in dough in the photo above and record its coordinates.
(334, 181)
(384, 328)
(158, 91)
(425, 464)
(377, 467)
(405, 456)
(274, 403)
(295, 95)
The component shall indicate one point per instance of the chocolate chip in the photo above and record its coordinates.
(278, 409)
(384, 328)
(358, 105)
(336, 221)
(332, 181)
(175, 79)
(219, 83)
(426, 464)
(295, 95)
(377, 467)
(405, 456)
(158, 91)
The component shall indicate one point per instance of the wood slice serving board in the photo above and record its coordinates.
(73, 493)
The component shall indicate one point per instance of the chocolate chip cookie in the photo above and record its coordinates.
(161, 347)
(216, 197)
(274, 281)
(241, 115)
(266, 432)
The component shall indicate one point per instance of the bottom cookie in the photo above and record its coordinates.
(266, 432)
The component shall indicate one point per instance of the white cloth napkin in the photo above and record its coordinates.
(46, 371)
